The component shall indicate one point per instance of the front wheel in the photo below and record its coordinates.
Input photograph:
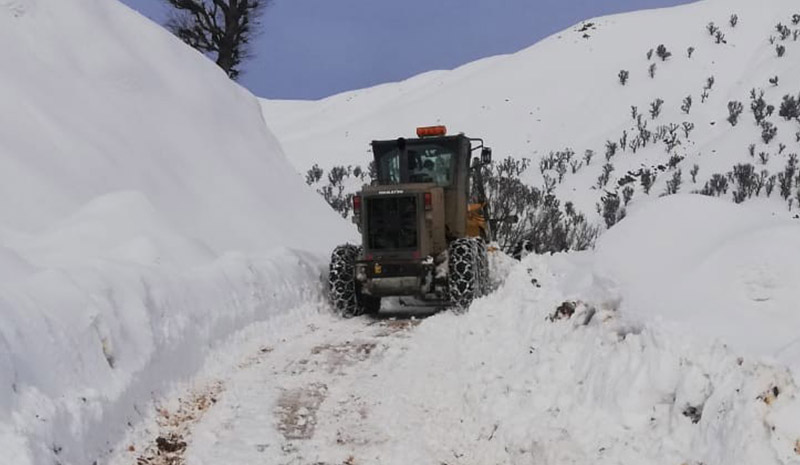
(468, 272)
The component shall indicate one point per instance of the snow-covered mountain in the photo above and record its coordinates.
(145, 213)
(563, 96)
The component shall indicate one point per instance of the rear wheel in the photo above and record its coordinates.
(344, 294)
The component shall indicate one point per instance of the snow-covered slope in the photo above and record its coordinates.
(141, 203)
(711, 269)
(564, 93)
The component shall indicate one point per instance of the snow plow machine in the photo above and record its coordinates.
(423, 227)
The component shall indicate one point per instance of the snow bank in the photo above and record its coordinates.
(507, 384)
(710, 268)
(141, 203)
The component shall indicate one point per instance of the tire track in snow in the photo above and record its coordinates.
(297, 404)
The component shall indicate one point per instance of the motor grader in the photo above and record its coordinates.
(421, 237)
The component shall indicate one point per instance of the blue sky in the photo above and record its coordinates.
(314, 48)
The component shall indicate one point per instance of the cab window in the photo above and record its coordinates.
(425, 163)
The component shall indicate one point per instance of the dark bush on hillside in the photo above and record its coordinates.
(655, 108)
(745, 181)
(768, 131)
(716, 186)
(334, 190)
(587, 156)
(770, 185)
(611, 150)
(610, 209)
(663, 53)
(623, 76)
(690, 51)
(761, 181)
(758, 105)
(735, 109)
(686, 107)
(539, 216)
(671, 139)
(674, 184)
(783, 31)
(780, 50)
(647, 179)
(605, 176)
(787, 176)
(734, 20)
(314, 174)
(674, 160)
(553, 229)
(790, 108)
(627, 194)
(687, 127)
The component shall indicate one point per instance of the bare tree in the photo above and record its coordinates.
(221, 28)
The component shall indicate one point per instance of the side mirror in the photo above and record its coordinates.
(486, 155)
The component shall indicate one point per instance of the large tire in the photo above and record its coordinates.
(468, 272)
(344, 293)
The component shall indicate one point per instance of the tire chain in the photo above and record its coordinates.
(342, 282)
(469, 271)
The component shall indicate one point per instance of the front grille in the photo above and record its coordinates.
(392, 222)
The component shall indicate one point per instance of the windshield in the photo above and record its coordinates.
(426, 163)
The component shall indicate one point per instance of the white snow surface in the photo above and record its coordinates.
(711, 268)
(146, 213)
(503, 384)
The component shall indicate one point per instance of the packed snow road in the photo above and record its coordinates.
(324, 392)
(318, 398)
(527, 376)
